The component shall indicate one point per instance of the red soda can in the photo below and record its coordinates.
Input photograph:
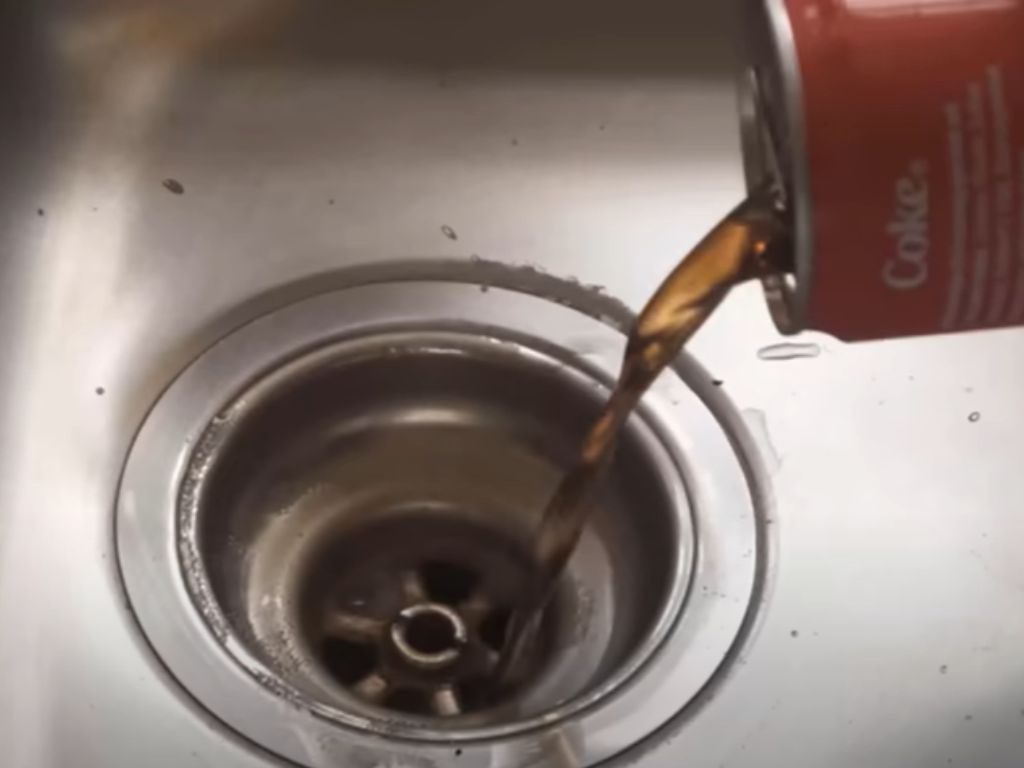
(894, 130)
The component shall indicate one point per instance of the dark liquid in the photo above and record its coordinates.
(739, 248)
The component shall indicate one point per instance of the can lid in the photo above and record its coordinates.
(772, 132)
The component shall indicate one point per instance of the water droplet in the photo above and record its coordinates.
(788, 350)
(974, 416)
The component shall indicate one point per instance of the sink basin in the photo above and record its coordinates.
(177, 170)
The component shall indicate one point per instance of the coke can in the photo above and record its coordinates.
(894, 133)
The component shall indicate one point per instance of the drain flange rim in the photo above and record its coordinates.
(293, 328)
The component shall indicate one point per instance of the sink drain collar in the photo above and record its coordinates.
(294, 704)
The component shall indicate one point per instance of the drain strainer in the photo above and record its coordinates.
(322, 528)
(423, 637)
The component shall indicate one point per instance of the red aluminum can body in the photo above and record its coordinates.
(897, 130)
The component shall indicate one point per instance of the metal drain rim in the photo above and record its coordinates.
(593, 736)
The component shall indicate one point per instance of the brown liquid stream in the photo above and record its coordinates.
(739, 248)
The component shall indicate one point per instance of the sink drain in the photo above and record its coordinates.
(323, 528)
(358, 496)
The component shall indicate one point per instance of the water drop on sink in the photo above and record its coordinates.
(788, 350)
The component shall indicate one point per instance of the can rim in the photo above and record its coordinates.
(768, 154)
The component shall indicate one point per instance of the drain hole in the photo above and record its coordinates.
(475, 693)
(431, 633)
(447, 582)
(408, 700)
(348, 662)
(493, 628)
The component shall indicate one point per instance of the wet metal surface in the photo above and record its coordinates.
(315, 139)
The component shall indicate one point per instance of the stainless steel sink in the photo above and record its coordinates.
(176, 170)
